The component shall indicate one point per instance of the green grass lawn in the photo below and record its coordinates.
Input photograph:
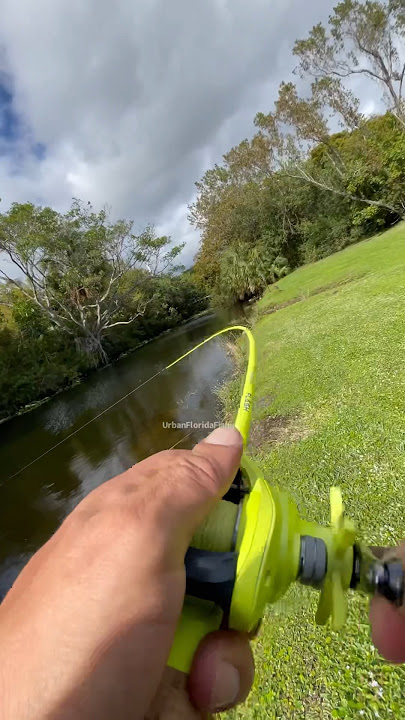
(332, 365)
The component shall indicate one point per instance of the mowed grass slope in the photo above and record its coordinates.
(332, 367)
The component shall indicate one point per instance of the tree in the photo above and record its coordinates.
(227, 213)
(85, 273)
(240, 203)
(246, 271)
(364, 39)
(317, 174)
(298, 126)
(300, 199)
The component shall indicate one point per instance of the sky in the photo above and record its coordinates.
(128, 103)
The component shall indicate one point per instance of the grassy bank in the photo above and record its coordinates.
(330, 410)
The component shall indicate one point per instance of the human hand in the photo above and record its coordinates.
(388, 622)
(86, 630)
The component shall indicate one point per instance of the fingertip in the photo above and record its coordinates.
(223, 448)
(222, 672)
(387, 630)
(226, 435)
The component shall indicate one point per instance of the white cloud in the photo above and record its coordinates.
(133, 101)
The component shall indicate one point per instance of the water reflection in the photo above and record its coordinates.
(34, 503)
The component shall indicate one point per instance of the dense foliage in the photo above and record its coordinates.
(317, 174)
(87, 291)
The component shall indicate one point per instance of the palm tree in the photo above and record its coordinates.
(246, 271)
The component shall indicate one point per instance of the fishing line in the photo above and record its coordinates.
(180, 441)
(242, 422)
(96, 417)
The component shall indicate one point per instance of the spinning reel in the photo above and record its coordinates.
(254, 545)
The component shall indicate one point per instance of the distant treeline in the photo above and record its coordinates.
(317, 174)
(82, 291)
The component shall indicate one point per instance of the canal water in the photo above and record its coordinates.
(34, 502)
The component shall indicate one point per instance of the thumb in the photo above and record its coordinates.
(388, 622)
(216, 460)
(223, 447)
(197, 480)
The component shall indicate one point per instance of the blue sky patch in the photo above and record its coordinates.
(12, 129)
(9, 121)
(39, 150)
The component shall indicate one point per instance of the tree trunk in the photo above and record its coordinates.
(91, 346)
(344, 193)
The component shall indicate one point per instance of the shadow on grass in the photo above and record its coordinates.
(304, 296)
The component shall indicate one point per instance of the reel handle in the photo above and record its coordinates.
(379, 571)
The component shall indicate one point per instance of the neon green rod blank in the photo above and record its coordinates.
(244, 415)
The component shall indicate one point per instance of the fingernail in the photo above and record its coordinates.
(225, 436)
(225, 691)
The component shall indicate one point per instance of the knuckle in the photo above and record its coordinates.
(110, 506)
(124, 504)
(201, 471)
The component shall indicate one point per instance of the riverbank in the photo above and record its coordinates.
(78, 380)
(330, 409)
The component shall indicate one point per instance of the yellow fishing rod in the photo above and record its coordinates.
(254, 545)
(244, 416)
